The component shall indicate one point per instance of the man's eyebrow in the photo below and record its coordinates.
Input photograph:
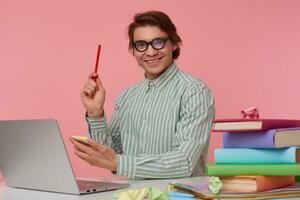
(151, 39)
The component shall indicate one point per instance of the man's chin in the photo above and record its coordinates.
(153, 69)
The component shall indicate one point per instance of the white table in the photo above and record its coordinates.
(8, 193)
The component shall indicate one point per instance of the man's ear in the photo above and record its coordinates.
(176, 46)
(131, 50)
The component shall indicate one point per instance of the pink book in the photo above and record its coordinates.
(242, 125)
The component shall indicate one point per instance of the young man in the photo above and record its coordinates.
(160, 126)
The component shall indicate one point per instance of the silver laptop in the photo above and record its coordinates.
(33, 156)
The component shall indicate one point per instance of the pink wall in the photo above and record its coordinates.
(246, 51)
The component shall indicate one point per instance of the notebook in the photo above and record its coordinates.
(33, 156)
(245, 124)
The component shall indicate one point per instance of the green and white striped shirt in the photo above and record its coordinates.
(160, 128)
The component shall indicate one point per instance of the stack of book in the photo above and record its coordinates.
(200, 189)
(257, 154)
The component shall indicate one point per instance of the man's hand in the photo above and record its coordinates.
(96, 154)
(93, 96)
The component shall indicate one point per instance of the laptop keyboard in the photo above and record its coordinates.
(96, 186)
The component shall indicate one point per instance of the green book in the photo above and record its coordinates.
(252, 169)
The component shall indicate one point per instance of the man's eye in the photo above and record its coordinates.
(158, 42)
(140, 45)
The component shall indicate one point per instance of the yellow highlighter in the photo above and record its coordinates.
(81, 139)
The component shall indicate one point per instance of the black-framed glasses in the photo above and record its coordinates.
(156, 43)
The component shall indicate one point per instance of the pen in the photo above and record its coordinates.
(97, 59)
(180, 195)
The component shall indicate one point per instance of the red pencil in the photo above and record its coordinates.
(97, 59)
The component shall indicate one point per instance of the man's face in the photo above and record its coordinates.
(153, 61)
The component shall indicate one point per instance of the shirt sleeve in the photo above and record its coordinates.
(191, 141)
(104, 134)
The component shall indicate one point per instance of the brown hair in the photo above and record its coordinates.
(156, 18)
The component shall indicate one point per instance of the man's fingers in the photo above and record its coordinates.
(94, 145)
(86, 92)
(95, 81)
(84, 157)
(99, 147)
(95, 154)
(99, 82)
(91, 86)
(82, 147)
(92, 83)
(81, 154)
(93, 76)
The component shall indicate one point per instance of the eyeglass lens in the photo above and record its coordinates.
(156, 43)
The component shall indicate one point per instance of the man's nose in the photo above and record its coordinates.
(151, 51)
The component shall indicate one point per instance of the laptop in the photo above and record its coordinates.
(33, 156)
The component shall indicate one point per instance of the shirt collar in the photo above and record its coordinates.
(163, 79)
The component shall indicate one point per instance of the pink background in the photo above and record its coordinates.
(246, 51)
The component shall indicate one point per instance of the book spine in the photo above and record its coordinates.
(262, 139)
(255, 156)
(252, 169)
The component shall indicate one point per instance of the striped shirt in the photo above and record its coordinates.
(160, 128)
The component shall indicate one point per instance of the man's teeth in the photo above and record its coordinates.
(152, 61)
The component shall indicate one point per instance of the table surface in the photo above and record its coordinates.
(8, 193)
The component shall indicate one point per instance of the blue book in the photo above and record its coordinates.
(257, 156)
(273, 138)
